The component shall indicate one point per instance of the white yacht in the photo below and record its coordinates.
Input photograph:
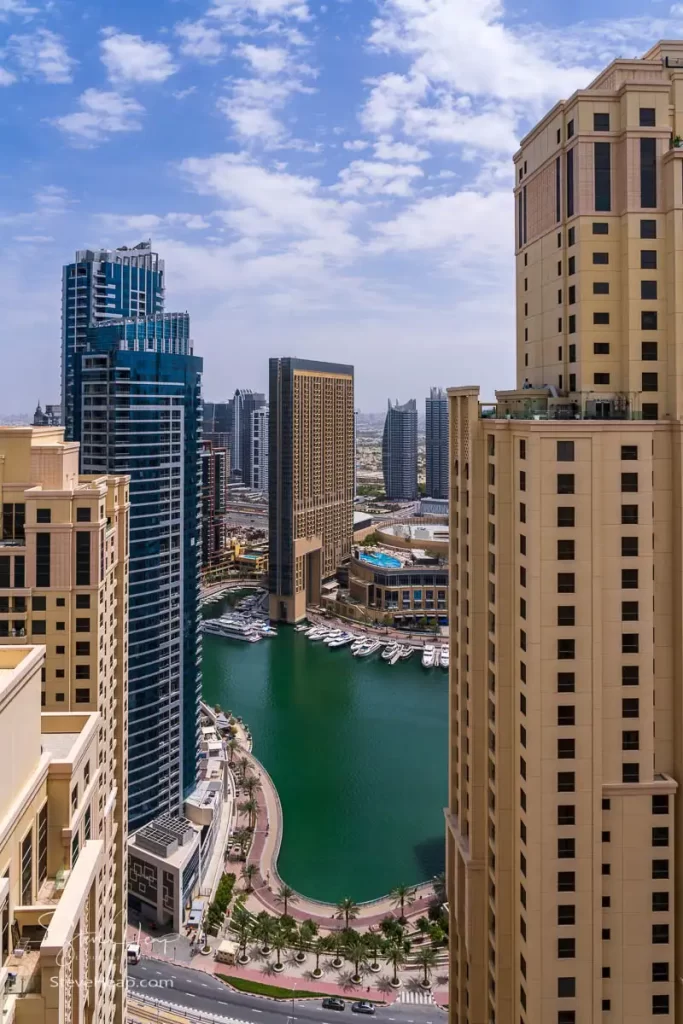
(406, 652)
(341, 641)
(319, 634)
(357, 643)
(367, 649)
(302, 627)
(445, 657)
(231, 630)
(333, 634)
(428, 656)
(390, 650)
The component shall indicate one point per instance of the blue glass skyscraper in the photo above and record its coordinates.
(104, 284)
(139, 411)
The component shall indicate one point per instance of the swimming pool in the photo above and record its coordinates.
(379, 559)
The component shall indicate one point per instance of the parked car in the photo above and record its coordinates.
(363, 1006)
(333, 1003)
(133, 953)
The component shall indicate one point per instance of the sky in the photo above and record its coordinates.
(324, 180)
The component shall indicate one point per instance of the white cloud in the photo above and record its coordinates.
(231, 10)
(199, 40)
(6, 77)
(52, 199)
(264, 60)
(374, 177)
(130, 58)
(34, 239)
(356, 145)
(8, 7)
(387, 149)
(253, 103)
(147, 222)
(182, 94)
(268, 204)
(42, 54)
(101, 115)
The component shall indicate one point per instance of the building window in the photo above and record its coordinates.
(569, 176)
(629, 483)
(660, 1005)
(566, 914)
(87, 824)
(629, 611)
(630, 675)
(566, 649)
(75, 850)
(648, 173)
(82, 625)
(649, 382)
(629, 643)
(43, 515)
(571, 236)
(82, 558)
(601, 318)
(27, 870)
(600, 258)
(565, 550)
(660, 934)
(602, 176)
(660, 835)
(571, 294)
(630, 707)
(660, 869)
(82, 671)
(565, 451)
(42, 559)
(83, 514)
(566, 682)
(82, 695)
(566, 516)
(648, 351)
(42, 845)
(566, 715)
(82, 600)
(566, 988)
(571, 325)
(571, 266)
(600, 228)
(660, 804)
(566, 615)
(660, 971)
(648, 259)
(648, 320)
(566, 749)
(629, 515)
(39, 627)
(566, 782)
(648, 289)
(630, 739)
(566, 949)
(650, 411)
(600, 123)
(648, 229)
(565, 483)
(600, 287)
(647, 117)
(572, 355)
(601, 348)
(660, 902)
(601, 378)
(19, 571)
(629, 547)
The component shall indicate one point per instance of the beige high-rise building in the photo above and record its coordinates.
(311, 480)
(64, 584)
(55, 956)
(567, 584)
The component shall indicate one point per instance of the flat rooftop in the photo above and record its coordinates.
(59, 744)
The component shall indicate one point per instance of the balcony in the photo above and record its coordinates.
(549, 404)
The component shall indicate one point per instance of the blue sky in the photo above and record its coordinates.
(329, 180)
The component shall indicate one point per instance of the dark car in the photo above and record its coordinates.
(363, 1006)
(333, 1003)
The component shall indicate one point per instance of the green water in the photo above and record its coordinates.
(358, 751)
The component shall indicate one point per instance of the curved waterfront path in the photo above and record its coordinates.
(264, 854)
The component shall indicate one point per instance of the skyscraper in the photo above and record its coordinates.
(104, 284)
(259, 449)
(399, 451)
(219, 423)
(64, 584)
(566, 584)
(245, 403)
(310, 480)
(139, 412)
(215, 477)
(436, 443)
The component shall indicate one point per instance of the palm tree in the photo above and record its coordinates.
(395, 955)
(251, 784)
(286, 895)
(426, 958)
(323, 944)
(357, 952)
(338, 941)
(233, 746)
(304, 935)
(250, 807)
(436, 934)
(249, 872)
(440, 886)
(242, 925)
(264, 929)
(243, 765)
(402, 894)
(373, 943)
(423, 925)
(348, 909)
(280, 943)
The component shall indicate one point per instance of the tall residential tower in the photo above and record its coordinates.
(259, 449)
(399, 451)
(139, 412)
(64, 584)
(310, 480)
(566, 711)
(436, 443)
(104, 284)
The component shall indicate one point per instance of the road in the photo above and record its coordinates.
(201, 993)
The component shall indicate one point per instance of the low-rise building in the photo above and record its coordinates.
(58, 965)
(164, 869)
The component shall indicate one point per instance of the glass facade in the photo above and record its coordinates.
(100, 285)
(139, 412)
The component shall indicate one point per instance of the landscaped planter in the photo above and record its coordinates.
(375, 968)
(317, 973)
(425, 984)
(337, 962)
(243, 960)
(395, 983)
(300, 957)
(278, 967)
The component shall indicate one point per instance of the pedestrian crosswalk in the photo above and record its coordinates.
(415, 995)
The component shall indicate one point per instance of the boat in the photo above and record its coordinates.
(267, 629)
(310, 630)
(302, 627)
(390, 650)
(395, 656)
(357, 643)
(428, 656)
(319, 634)
(437, 655)
(406, 652)
(341, 641)
(230, 630)
(445, 657)
(367, 649)
(333, 634)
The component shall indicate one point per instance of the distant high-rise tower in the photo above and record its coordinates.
(437, 443)
(219, 424)
(138, 412)
(259, 449)
(244, 404)
(310, 480)
(399, 451)
(104, 284)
